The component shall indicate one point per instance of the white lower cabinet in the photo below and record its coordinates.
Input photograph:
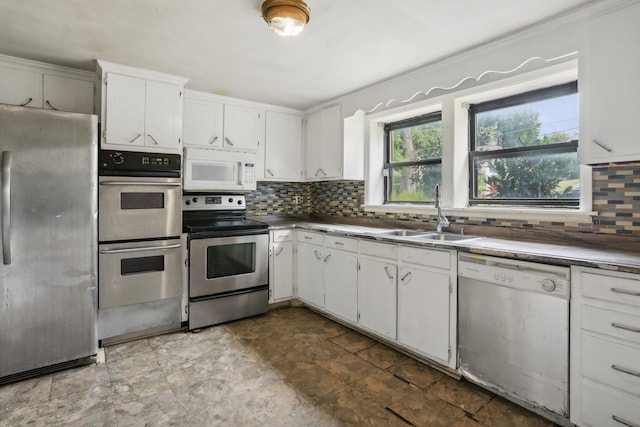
(406, 295)
(309, 265)
(280, 265)
(340, 277)
(377, 296)
(605, 348)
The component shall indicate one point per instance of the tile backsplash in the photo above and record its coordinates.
(616, 199)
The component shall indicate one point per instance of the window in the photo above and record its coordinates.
(524, 149)
(413, 159)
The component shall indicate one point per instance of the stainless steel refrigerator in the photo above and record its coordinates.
(48, 274)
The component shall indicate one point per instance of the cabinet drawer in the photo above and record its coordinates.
(605, 361)
(341, 243)
(429, 257)
(625, 290)
(614, 323)
(281, 235)
(382, 250)
(310, 237)
(600, 406)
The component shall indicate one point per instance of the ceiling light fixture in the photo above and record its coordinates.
(286, 17)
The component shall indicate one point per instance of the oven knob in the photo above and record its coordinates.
(548, 285)
(118, 159)
(187, 202)
(230, 199)
(239, 202)
(195, 200)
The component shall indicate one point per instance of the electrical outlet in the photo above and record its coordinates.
(296, 200)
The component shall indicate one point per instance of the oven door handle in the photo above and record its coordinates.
(149, 248)
(155, 184)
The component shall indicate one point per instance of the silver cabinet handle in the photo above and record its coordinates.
(327, 258)
(228, 141)
(270, 172)
(321, 171)
(214, 139)
(625, 292)
(27, 102)
(279, 251)
(623, 421)
(308, 238)
(601, 145)
(136, 137)
(408, 275)
(149, 248)
(153, 139)
(6, 207)
(51, 106)
(625, 327)
(338, 243)
(317, 254)
(386, 270)
(625, 370)
(150, 184)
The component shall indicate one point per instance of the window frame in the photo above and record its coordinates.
(556, 148)
(387, 165)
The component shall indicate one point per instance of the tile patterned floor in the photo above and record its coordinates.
(290, 367)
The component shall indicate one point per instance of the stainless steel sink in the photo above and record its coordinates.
(445, 237)
(401, 233)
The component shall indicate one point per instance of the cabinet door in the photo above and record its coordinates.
(309, 274)
(423, 312)
(612, 88)
(324, 143)
(241, 127)
(283, 146)
(377, 296)
(125, 105)
(67, 94)
(20, 87)
(202, 123)
(340, 284)
(163, 118)
(281, 280)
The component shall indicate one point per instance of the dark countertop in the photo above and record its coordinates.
(549, 253)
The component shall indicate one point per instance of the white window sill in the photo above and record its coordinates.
(516, 213)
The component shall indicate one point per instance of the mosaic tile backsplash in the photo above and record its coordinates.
(616, 198)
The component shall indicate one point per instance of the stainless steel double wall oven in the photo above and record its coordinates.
(228, 259)
(140, 251)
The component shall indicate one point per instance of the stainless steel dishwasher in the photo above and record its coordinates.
(514, 330)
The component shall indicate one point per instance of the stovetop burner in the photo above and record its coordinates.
(210, 215)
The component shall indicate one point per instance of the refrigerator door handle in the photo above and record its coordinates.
(6, 207)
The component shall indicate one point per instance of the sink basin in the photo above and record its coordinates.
(445, 237)
(402, 233)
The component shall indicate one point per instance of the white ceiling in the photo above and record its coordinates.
(224, 46)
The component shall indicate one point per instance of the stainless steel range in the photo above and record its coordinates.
(228, 259)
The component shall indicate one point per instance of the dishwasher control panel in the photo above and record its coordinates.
(527, 276)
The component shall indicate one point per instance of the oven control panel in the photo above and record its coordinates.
(213, 202)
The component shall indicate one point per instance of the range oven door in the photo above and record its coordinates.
(225, 264)
(137, 272)
(139, 208)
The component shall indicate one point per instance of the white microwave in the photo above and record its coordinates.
(219, 170)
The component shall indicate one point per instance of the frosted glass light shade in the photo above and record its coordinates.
(286, 17)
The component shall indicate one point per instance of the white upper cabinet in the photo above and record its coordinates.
(610, 88)
(241, 127)
(68, 94)
(283, 146)
(141, 109)
(210, 121)
(33, 84)
(202, 121)
(324, 144)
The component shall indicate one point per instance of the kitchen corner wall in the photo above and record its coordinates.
(616, 198)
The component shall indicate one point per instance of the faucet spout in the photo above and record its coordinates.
(442, 220)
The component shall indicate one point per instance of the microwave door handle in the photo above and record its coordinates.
(151, 184)
(149, 248)
(6, 207)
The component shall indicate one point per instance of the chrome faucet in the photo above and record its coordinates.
(442, 220)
